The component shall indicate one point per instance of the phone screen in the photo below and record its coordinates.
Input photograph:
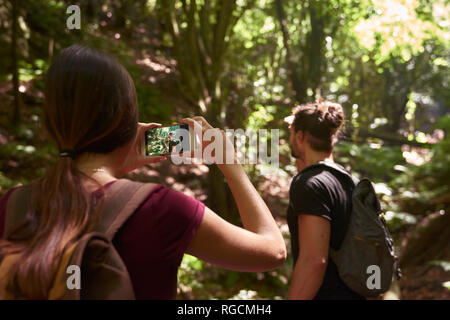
(167, 140)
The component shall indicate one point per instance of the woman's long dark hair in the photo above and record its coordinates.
(90, 106)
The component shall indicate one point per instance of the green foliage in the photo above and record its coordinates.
(189, 272)
(371, 160)
(446, 284)
(202, 281)
(443, 264)
(151, 108)
(5, 182)
(434, 175)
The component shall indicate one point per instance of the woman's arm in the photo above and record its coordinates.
(259, 246)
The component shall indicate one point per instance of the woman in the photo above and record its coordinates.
(91, 113)
(319, 204)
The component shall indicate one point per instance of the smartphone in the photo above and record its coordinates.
(166, 140)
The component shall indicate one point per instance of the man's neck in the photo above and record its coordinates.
(313, 157)
(317, 157)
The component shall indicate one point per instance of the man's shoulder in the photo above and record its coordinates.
(313, 174)
(308, 181)
(319, 178)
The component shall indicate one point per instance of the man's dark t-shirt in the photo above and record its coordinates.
(323, 193)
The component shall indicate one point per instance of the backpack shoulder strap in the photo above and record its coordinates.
(334, 167)
(353, 183)
(121, 200)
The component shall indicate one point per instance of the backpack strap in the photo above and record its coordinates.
(121, 200)
(123, 197)
(353, 183)
(334, 167)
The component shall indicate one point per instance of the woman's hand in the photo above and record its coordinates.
(208, 135)
(135, 154)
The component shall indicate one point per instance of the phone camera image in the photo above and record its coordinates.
(167, 140)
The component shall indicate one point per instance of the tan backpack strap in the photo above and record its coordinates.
(17, 207)
(122, 199)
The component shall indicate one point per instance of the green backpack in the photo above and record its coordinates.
(104, 275)
(366, 259)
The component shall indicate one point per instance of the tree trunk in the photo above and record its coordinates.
(298, 86)
(217, 195)
(423, 245)
(200, 50)
(14, 59)
(218, 190)
(316, 40)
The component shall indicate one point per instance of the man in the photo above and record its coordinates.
(172, 142)
(320, 202)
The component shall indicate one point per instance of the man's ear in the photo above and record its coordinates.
(299, 136)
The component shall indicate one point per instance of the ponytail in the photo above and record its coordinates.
(63, 211)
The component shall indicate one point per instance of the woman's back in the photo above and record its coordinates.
(153, 240)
